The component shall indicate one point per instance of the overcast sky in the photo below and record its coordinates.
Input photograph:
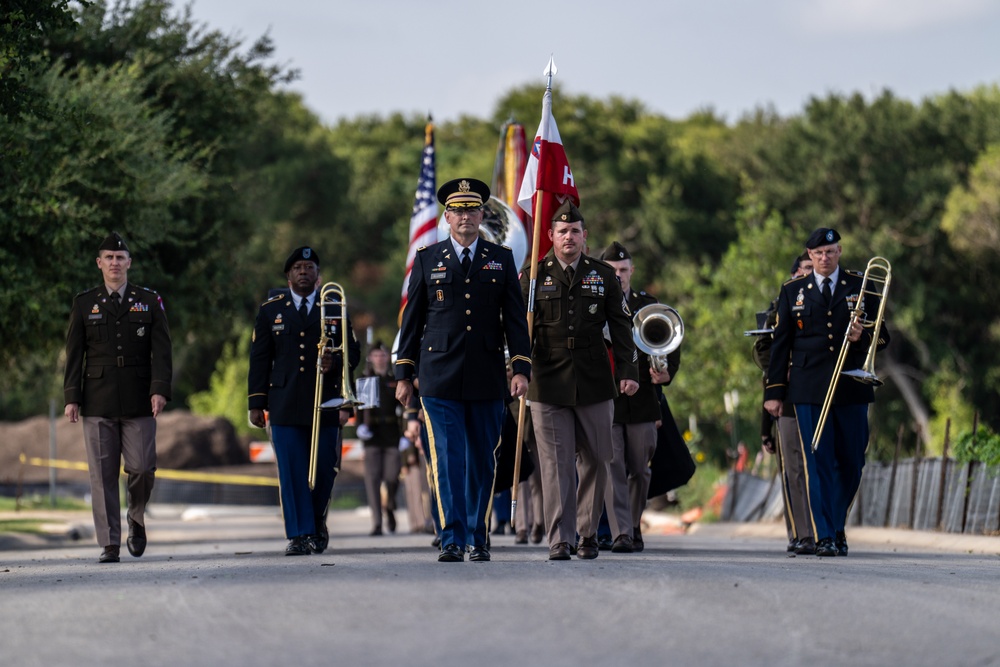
(454, 57)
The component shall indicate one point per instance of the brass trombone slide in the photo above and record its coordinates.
(331, 294)
(878, 271)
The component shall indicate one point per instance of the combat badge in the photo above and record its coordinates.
(800, 302)
(140, 332)
(440, 295)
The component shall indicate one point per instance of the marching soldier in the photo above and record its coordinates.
(282, 381)
(635, 422)
(380, 429)
(118, 374)
(463, 303)
(812, 312)
(574, 388)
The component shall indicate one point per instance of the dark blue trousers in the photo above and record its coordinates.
(303, 509)
(833, 471)
(464, 437)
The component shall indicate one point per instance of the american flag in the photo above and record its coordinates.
(423, 221)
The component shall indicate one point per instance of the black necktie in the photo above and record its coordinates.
(466, 260)
(569, 273)
(116, 300)
(304, 308)
(826, 290)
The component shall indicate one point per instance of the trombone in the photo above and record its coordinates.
(331, 294)
(878, 272)
(657, 330)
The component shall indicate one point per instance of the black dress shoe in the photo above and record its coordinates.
(136, 541)
(622, 545)
(110, 554)
(805, 546)
(588, 548)
(436, 542)
(390, 521)
(792, 545)
(537, 533)
(604, 542)
(521, 537)
(376, 531)
(479, 554)
(500, 528)
(321, 540)
(297, 546)
(826, 548)
(840, 541)
(451, 554)
(637, 543)
(559, 551)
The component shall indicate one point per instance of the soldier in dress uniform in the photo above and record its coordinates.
(573, 391)
(635, 422)
(813, 313)
(118, 374)
(463, 303)
(282, 381)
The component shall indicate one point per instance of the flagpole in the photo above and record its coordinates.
(536, 234)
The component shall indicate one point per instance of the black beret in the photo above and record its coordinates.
(113, 241)
(615, 252)
(463, 193)
(567, 213)
(305, 252)
(822, 236)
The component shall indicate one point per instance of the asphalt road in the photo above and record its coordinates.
(214, 588)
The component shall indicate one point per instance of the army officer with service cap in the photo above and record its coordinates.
(574, 386)
(282, 381)
(118, 374)
(463, 306)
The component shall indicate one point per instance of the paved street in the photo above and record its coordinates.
(214, 588)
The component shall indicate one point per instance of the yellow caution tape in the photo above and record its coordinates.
(185, 475)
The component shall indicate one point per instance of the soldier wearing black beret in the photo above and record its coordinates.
(463, 305)
(814, 313)
(282, 382)
(634, 431)
(574, 388)
(118, 375)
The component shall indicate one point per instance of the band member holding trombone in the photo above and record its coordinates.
(463, 303)
(813, 311)
(636, 419)
(282, 381)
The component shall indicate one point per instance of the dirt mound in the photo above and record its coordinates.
(184, 441)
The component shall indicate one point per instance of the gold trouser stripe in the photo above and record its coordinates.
(805, 467)
(434, 468)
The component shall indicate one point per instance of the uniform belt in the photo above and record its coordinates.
(118, 361)
(570, 343)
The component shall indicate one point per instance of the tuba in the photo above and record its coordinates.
(657, 330)
(331, 294)
(878, 272)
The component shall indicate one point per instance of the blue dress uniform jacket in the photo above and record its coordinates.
(808, 335)
(571, 362)
(115, 363)
(454, 326)
(282, 377)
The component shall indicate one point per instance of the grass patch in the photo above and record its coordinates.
(36, 501)
(21, 525)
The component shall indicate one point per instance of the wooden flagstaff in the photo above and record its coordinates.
(532, 277)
